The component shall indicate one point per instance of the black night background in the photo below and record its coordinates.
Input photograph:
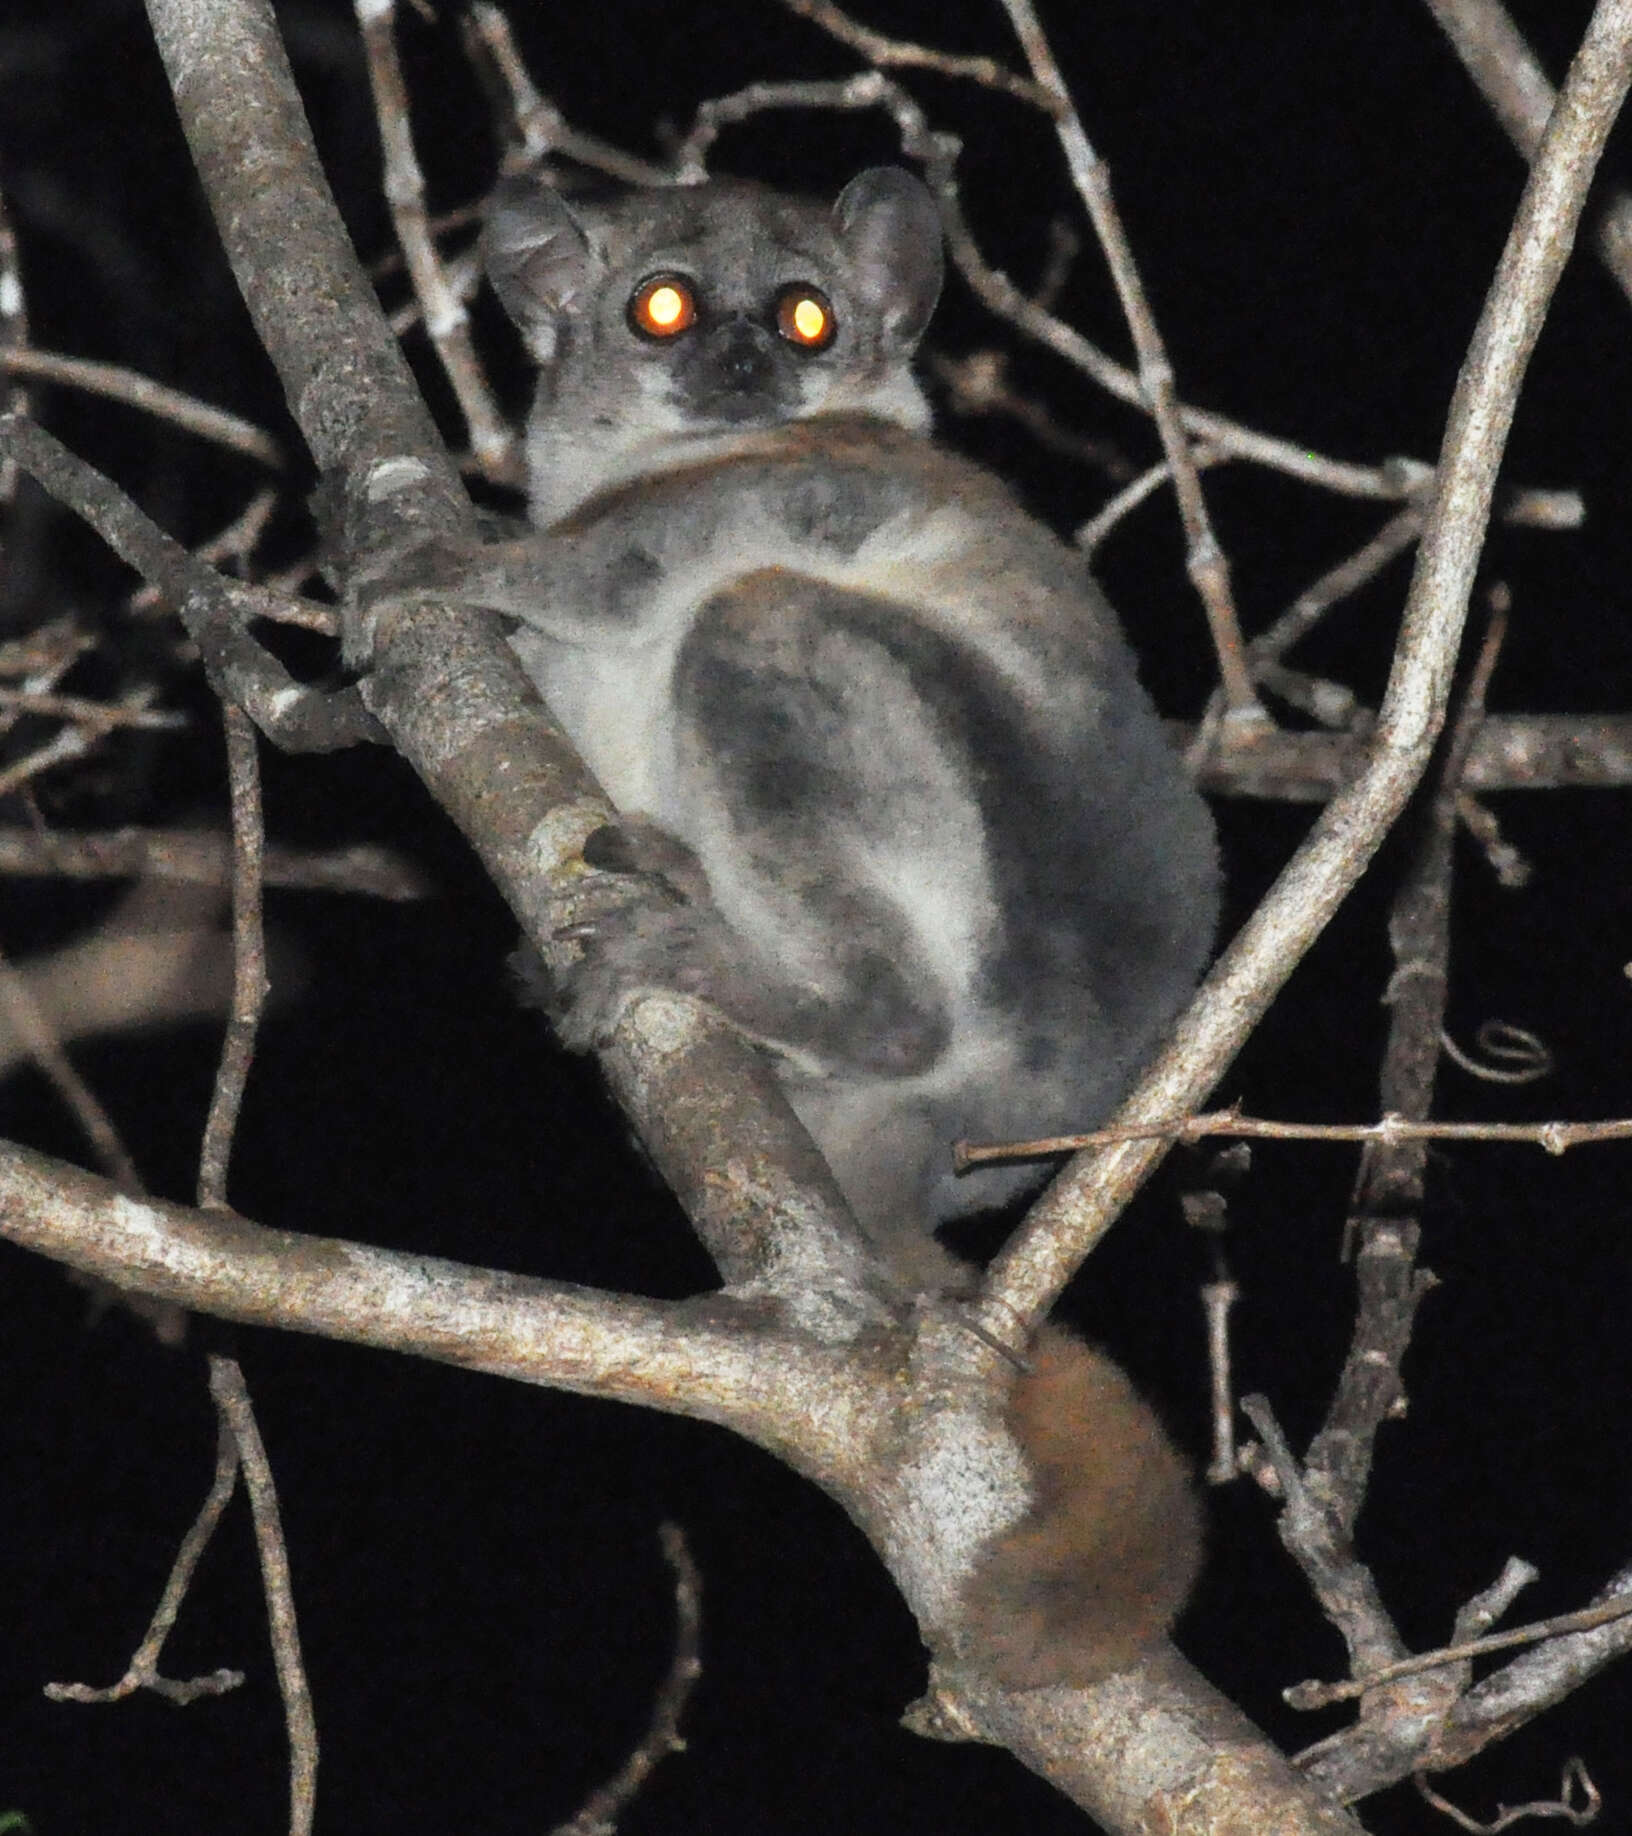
(1316, 196)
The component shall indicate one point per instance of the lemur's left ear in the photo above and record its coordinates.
(891, 229)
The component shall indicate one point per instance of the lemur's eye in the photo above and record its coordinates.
(804, 317)
(663, 306)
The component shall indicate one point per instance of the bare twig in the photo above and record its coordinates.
(532, 118)
(45, 654)
(1511, 752)
(492, 441)
(978, 384)
(1217, 1298)
(1554, 1137)
(869, 90)
(1322, 1695)
(115, 383)
(1204, 559)
(143, 1670)
(1337, 583)
(32, 1026)
(1575, 1780)
(232, 1400)
(155, 959)
(1390, 1287)
(1090, 536)
(249, 983)
(204, 857)
(1494, 53)
(1345, 1588)
(599, 1813)
(64, 746)
(1071, 1217)
(229, 547)
(213, 608)
(99, 716)
(894, 53)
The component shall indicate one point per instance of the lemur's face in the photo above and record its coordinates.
(669, 315)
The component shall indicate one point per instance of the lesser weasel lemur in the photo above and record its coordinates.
(880, 731)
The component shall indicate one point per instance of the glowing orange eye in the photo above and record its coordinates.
(663, 306)
(804, 318)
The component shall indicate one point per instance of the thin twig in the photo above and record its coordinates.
(143, 1669)
(1312, 1695)
(1070, 1218)
(231, 546)
(1217, 1298)
(895, 53)
(249, 982)
(1575, 1778)
(1344, 1587)
(114, 383)
(1554, 1137)
(1336, 584)
(1512, 752)
(978, 384)
(232, 1399)
(27, 1020)
(99, 716)
(492, 442)
(599, 1813)
(204, 857)
(46, 653)
(532, 119)
(1509, 76)
(1091, 535)
(213, 608)
(1204, 558)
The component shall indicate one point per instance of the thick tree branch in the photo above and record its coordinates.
(447, 689)
(704, 1358)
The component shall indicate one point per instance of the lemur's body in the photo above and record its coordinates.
(878, 730)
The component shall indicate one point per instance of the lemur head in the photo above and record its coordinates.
(672, 322)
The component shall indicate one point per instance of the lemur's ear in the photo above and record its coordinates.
(537, 256)
(890, 227)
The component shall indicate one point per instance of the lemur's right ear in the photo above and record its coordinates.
(536, 255)
(890, 227)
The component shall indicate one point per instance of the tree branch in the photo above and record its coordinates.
(448, 690)
(1081, 1205)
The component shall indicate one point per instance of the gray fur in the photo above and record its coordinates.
(877, 723)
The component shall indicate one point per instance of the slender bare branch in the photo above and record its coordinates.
(117, 384)
(142, 1672)
(205, 858)
(700, 1358)
(447, 324)
(211, 607)
(249, 982)
(532, 118)
(232, 1400)
(33, 1027)
(1512, 752)
(1204, 558)
(1553, 1137)
(1079, 1208)
(895, 53)
(597, 1817)
(1510, 78)
(1322, 1695)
